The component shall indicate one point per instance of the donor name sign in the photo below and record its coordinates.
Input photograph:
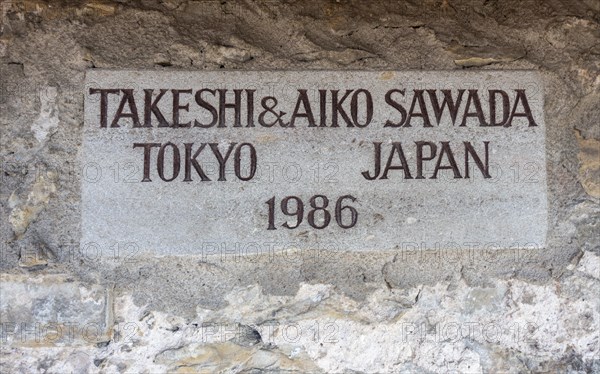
(235, 162)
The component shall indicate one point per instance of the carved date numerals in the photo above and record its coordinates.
(318, 215)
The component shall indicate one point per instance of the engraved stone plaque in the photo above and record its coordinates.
(253, 161)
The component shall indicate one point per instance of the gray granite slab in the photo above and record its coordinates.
(501, 201)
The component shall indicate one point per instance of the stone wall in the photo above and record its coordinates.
(69, 309)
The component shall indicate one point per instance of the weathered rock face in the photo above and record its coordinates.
(71, 309)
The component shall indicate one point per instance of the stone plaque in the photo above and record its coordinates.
(243, 162)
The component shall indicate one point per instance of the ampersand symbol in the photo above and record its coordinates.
(269, 103)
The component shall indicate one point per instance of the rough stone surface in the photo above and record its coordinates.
(510, 326)
(550, 295)
(52, 310)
